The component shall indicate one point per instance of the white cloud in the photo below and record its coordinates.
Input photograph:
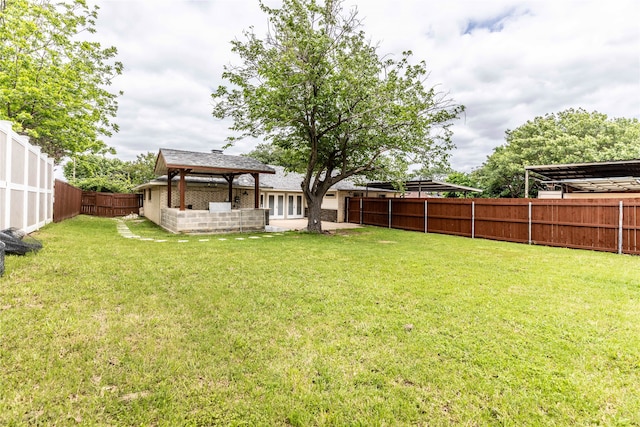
(507, 61)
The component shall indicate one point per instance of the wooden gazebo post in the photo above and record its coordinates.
(170, 175)
(229, 179)
(182, 189)
(256, 190)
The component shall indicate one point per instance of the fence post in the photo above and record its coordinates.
(473, 220)
(360, 210)
(389, 213)
(348, 201)
(530, 237)
(620, 229)
(6, 210)
(25, 182)
(425, 216)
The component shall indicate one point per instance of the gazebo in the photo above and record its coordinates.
(220, 218)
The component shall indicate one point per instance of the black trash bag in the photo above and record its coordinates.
(17, 243)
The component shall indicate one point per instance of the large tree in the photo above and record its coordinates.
(316, 88)
(53, 82)
(571, 136)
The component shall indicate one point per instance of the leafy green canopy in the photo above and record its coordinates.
(571, 136)
(92, 172)
(317, 90)
(52, 83)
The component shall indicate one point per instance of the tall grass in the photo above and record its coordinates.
(368, 327)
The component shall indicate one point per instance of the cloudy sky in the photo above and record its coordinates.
(506, 61)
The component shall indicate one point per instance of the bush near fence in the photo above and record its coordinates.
(611, 225)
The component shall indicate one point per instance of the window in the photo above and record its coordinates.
(149, 192)
(330, 195)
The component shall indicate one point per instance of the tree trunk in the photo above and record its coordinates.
(314, 204)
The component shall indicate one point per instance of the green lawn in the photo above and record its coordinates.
(370, 327)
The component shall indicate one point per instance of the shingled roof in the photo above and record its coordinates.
(214, 163)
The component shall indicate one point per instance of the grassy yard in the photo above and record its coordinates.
(370, 327)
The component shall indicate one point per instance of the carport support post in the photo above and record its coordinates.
(526, 183)
(620, 229)
(360, 210)
(389, 213)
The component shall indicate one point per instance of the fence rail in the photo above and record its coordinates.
(110, 204)
(26, 182)
(610, 225)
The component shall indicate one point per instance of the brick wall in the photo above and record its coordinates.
(199, 196)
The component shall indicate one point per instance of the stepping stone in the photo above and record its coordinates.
(222, 240)
(160, 241)
(203, 240)
(183, 241)
(254, 237)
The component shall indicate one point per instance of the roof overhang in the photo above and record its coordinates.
(425, 186)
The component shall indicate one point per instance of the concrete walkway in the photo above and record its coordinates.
(301, 224)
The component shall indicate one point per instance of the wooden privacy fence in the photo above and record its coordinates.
(610, 225)
(110, 204)
(67, 201)
(71, 201)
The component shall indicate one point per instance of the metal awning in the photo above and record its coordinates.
(425, 186)
(597, 177)
(602, 185)
(621, 168)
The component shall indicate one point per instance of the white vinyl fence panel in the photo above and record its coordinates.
(26, 182)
